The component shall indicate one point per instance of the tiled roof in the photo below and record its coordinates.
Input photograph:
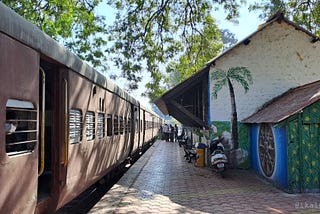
(287, 104)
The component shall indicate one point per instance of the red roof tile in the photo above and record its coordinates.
(287, 104)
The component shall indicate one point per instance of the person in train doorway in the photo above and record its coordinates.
(175, 133)
(10, 128)
(11, 125)
(166, 132)
(13, 128)
(171, 133)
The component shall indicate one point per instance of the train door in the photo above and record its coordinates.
(51, 107)
(131, 129)
(137, 126)
(46, 131)
(142, 127)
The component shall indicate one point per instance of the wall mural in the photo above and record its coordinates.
(266, 149)
(268, 152)
(240, 154)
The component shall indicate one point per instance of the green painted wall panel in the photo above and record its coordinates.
(310, 157)
(312, 113)
(303, 150)
(293, 156)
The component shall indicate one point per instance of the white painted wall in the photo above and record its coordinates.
(279, 58)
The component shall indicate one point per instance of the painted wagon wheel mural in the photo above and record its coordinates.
(266, 149)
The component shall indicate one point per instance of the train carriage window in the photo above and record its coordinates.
(141, 126)
(90, 122)
(109, 125)
(129, 125)
(121, 125)
(137, 126)
(125, 125)
(75, 126)
(21, 127)
(101, 126)
(115, 125)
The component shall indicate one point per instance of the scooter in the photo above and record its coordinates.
(217, 158)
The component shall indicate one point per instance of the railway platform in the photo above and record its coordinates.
(162, 181)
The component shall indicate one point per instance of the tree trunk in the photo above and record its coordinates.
(234, 117)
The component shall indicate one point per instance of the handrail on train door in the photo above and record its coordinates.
(66, 138)
(42, 131)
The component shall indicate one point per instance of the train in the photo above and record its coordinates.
(66, 125)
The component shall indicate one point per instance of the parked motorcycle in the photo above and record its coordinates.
(217, 159)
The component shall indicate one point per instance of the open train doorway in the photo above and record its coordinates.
(46, 129)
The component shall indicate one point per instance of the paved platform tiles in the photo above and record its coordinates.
(162, 181)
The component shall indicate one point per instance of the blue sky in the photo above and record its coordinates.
(248, 22)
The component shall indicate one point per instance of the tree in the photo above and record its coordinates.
(222, 78)
(148, 33)
(71, 22)
(203, 51)
(181, 68)
(303, 12)
(228, 39)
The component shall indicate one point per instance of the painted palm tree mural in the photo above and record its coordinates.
(222, 79)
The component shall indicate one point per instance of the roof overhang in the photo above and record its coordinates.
(188, 101)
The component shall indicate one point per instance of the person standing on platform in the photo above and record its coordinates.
(161, 132)
(166, 132)
(171, 133)
(175, 132)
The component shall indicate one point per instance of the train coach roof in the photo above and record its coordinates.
(20, 29)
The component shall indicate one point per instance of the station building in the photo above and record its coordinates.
(283, 59)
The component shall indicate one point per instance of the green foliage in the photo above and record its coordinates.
(228, 39)
(303, 12)
(199, 133)
(149, 34)
(71, 22)
(154, 88)
(198, 55)
(239, 74)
